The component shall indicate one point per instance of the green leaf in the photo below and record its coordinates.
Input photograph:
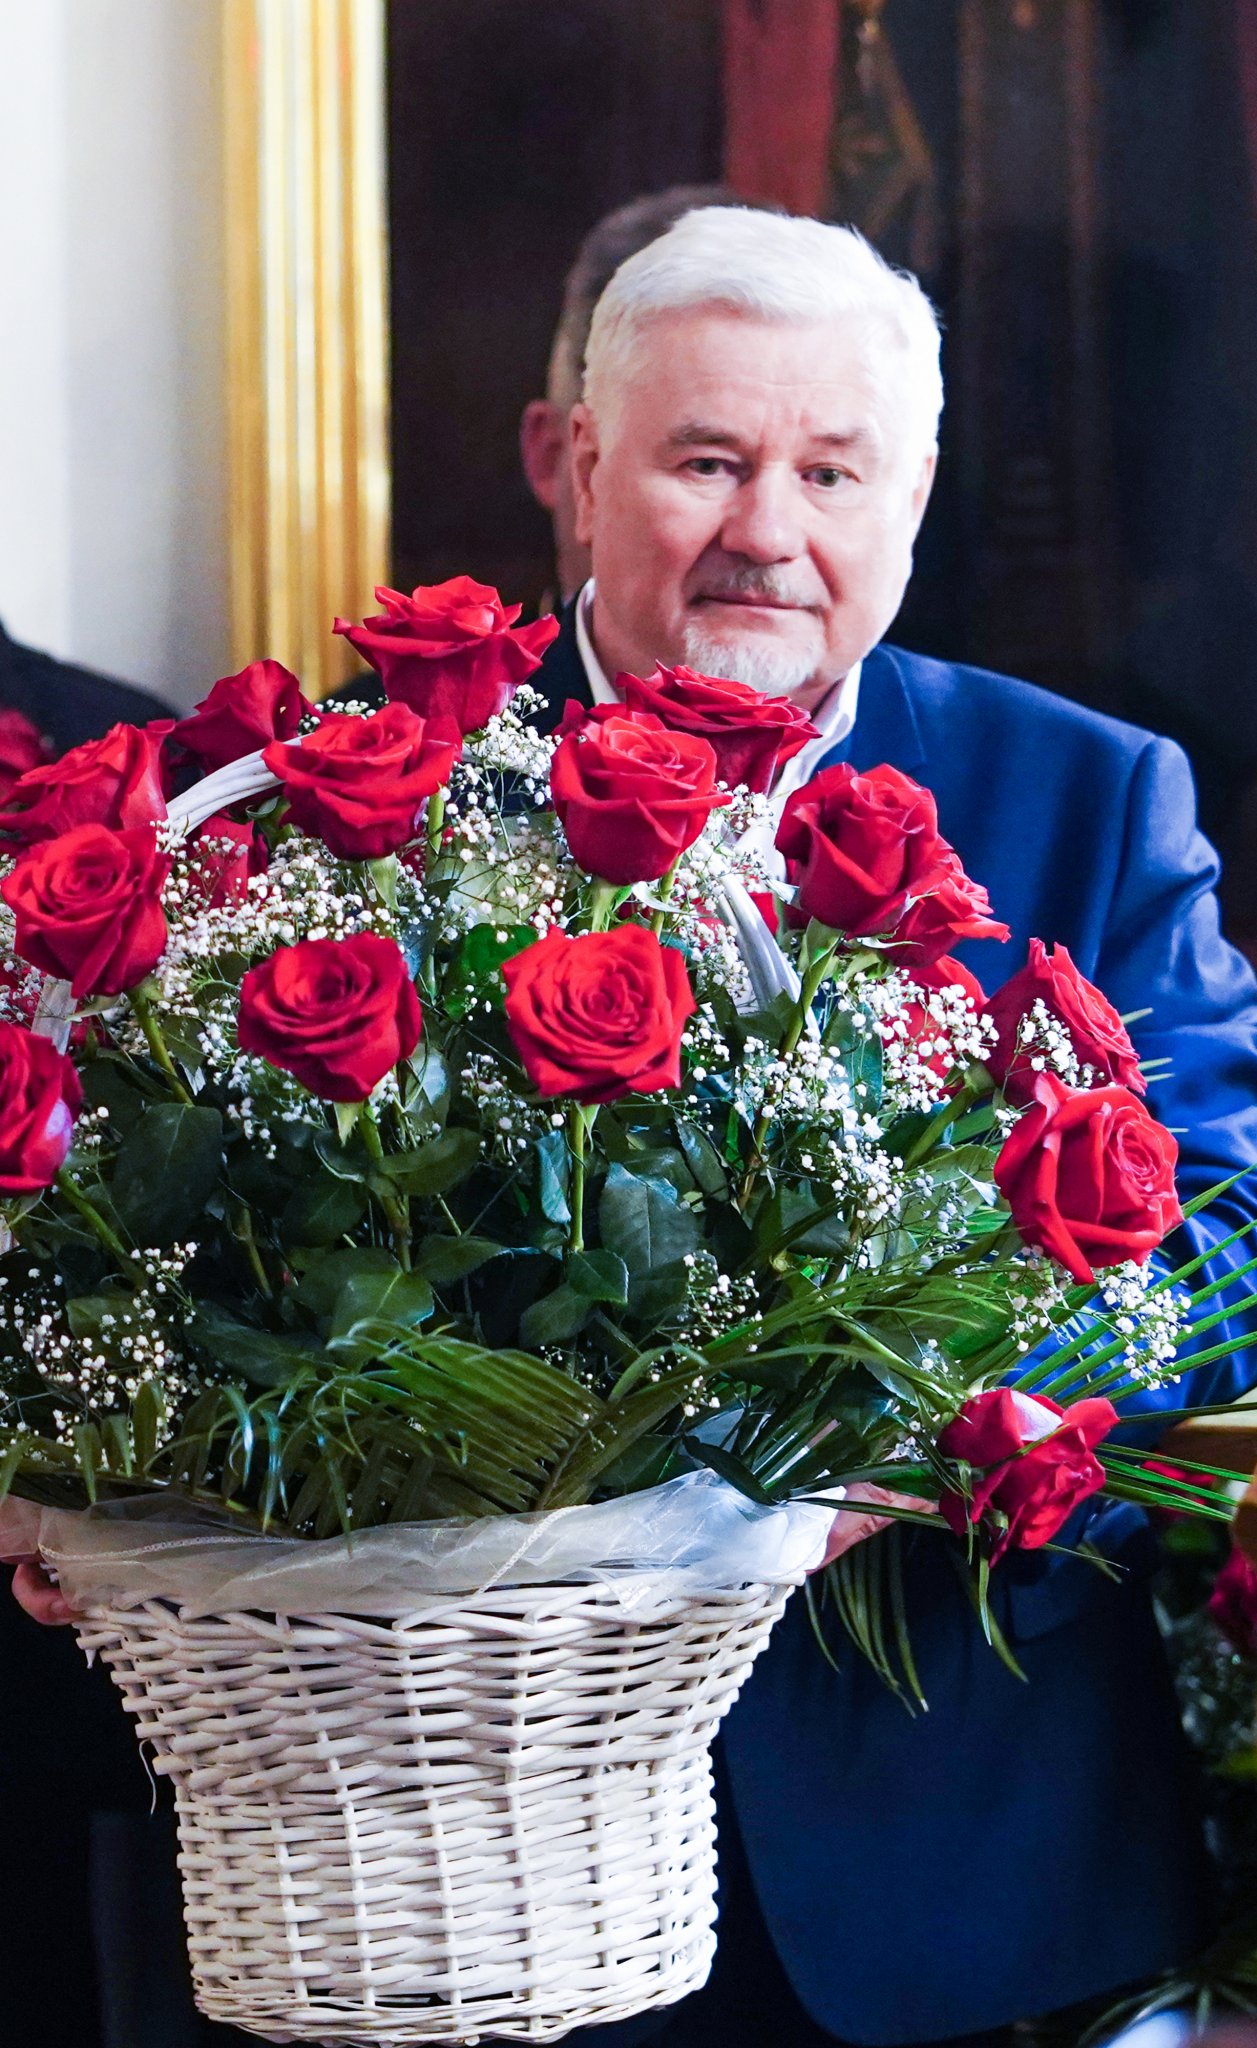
(645, 1221)
(371, 1307)
(346, 1114)
(322, 1283)
(598, 1276)
(728, 1467)
(555, 1319)
(654, 1295)
(237, 1347)
(474, 974)
(166, 1171)
(554, 1176)
(446, 1259)
(433, 1168)
(322, 1210)
(701, 1157)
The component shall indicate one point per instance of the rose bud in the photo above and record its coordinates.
(242, 713)
(599, 1015)
(858, 845)
(22, 746)
(1097, 1033)
(921, 1027)
(631, 796)
(1233, 1603)
(88, 907)
(226, 853)
(1089, 1176)
(451, 651)
(950, 907)
(1033, 1463)
(114, 781)
(753, 735)
(39, 1097)
(360, 784)
(338, 1014)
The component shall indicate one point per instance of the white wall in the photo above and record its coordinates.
(112, 423)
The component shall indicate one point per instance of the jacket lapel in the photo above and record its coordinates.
(886, 727)
(562, 672)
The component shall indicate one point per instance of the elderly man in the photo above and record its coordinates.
(751, 464)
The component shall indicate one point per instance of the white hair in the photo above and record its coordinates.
(770, 267)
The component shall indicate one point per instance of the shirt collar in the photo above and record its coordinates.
(833, 719)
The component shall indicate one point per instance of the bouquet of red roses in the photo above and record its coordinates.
(406, 1114)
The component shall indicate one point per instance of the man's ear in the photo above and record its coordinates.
(922, 488)
(543, 448)
(584, 463)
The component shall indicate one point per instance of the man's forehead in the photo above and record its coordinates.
(721, 372)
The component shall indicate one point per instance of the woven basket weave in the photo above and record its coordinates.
(495, 1823)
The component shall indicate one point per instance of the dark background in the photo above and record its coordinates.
(1085, 222)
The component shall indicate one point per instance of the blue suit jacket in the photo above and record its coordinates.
(1020, 1846)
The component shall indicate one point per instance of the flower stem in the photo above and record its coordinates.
(69, 1188)
(242, 1231)
(665, 892)
(602, 903)
(146, 1018)
(395, 1209)
(435, 825)
(576, 1130)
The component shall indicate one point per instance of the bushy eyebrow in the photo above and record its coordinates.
(699, 433)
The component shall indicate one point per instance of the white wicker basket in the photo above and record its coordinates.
(495, 1823)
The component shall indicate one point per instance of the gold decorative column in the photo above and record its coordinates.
(306, 326)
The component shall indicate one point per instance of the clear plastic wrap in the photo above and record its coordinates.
(686, 1537)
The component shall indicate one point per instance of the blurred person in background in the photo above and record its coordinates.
(545, 426)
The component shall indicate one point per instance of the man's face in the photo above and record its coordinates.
(752, 508)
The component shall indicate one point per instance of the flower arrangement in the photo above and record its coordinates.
(438, 1129)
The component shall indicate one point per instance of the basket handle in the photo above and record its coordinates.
(770, 972)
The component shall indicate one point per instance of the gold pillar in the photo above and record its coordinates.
(306, 326)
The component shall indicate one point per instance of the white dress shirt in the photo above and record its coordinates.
(833, 720)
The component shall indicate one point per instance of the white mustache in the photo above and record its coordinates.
(757, 582)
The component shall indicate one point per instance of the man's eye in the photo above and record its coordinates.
(829, 477)
(707, 465)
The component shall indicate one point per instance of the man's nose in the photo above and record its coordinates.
(763, 523)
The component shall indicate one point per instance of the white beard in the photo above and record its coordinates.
(773, 671)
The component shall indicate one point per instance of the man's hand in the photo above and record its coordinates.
(851, 1527)
(34, 1590)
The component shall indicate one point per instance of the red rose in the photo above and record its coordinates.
(225, 854)
(452, 651)
(941, 974)
(1097, 1033)
(1089, 1176)
(88, 907)
(39, 1095)
(1033, 1463)
(753, 735)
(1233, 1603)
(631, 795)
(948, 906)
(22, 746)
(360, 784)
(242, 713)
(336, 1013)
(114, 781)
(600, 1015)
(858, 845)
